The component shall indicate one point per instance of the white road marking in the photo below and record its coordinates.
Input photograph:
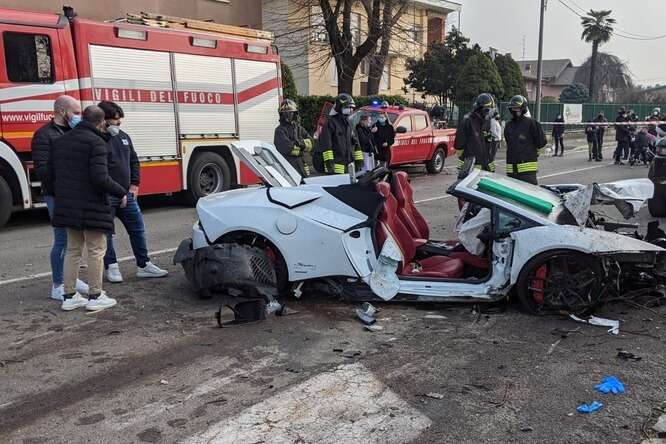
(41, 275)
(346, 405)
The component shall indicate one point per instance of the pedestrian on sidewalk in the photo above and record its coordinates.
(125, 169)
(601, 130)
(66, 115)
(558, 135)
(77, 172)
(524, 141)
(622, 135)
(592, 150)
(495, 133)
(365, 133)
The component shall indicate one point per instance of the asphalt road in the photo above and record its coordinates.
(157, 369)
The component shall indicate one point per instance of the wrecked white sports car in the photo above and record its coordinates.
(362, 238)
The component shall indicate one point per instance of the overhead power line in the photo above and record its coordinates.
(618, 31)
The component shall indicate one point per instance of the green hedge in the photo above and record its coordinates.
(309, 107)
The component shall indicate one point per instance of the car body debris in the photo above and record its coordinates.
(366, 313)
(434, 395)
(602, 322)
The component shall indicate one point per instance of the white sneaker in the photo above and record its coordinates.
(82, 287)
(112, 274)
(74, 302)
(58, 293)
(102, 302)
(150, 271)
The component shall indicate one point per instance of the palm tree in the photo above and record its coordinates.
(597, 29)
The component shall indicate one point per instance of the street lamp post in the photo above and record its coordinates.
(537, 114)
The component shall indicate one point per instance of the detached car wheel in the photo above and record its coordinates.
(5, 202)
(436, 164)
(208, 174)
(560, 281)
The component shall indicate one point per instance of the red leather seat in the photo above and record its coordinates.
(407, 212)
(389, 222)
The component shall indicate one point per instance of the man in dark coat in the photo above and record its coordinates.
(384, 137)
(524, 141)
(473, 137)
(125, 168)
(66, 115)
(622, 135)
(338, 145)
(77, 172)
(558, 135)
(601, 129)
(364, 132)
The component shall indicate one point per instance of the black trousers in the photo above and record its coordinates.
(600, 142)
(593, 149)
(559, 143)
(622, 150)
(529, 177)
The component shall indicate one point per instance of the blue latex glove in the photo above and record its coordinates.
(589, 408)
(610, 384)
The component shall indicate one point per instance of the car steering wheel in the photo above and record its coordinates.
(373, 175)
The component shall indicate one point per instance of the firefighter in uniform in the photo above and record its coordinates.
(473, 136)
(524, 141)
(337, 143)
(291, 139)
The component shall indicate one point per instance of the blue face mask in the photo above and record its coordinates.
(381, 120)
(75, 120)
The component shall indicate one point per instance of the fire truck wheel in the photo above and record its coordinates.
(208, 174)
(436, 164)
(5, 201)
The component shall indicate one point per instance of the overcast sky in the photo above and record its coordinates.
(503, 23)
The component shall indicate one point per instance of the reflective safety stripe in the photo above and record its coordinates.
(459, 152)
(339, 168)
(306, 168)
(460, 163)
(328, 155)
(491, 167)
(527, 167)
(296, 151)
(308, 145)
(540, 152)
(358, 155)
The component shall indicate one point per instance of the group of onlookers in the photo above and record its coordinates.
(90, 174)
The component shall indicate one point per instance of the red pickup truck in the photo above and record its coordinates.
(416, 140)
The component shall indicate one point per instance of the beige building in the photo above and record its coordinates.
(298, 30)
(557, 75)
(303, 42)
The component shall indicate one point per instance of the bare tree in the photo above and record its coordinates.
(313, 33)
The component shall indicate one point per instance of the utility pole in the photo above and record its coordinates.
(537, 114)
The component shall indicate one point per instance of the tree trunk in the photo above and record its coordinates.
(345, 78)
(593, 70)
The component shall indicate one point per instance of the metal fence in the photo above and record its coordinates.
(549, 111)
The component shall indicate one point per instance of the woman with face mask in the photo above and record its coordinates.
(364, 131)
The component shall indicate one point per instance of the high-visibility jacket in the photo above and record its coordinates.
(524, 141)
(338, 145)
(292, 140)
(473, 139)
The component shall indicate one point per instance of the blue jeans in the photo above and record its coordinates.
(59, 245)
(131, 218)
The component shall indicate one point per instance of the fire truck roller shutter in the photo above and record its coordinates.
(140, 82)
(205, 95)
(258, 99)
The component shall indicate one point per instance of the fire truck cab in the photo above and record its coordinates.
(188, 88)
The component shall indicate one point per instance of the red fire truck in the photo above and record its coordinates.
(187, 87)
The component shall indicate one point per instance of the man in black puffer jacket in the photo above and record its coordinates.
(77, 172)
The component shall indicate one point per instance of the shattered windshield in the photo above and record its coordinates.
(531, 198)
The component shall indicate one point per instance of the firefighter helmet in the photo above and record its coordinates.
(344, 100)
(288, 106)
(485, 101)
(518, 102)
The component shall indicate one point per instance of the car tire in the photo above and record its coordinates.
(571, 268)
(6, 202)
(657, 206)
(208, 174)
(436, 164)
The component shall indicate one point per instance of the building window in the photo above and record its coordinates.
(356, 29)
(435, 30)
(318, 29)
(414, 33)
(365, 67)
(528, 67)
(28, 58)
(333, 73)
(385, 81)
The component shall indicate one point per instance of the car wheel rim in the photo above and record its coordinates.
(564, 282)
(211, 178)
(439, 161)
